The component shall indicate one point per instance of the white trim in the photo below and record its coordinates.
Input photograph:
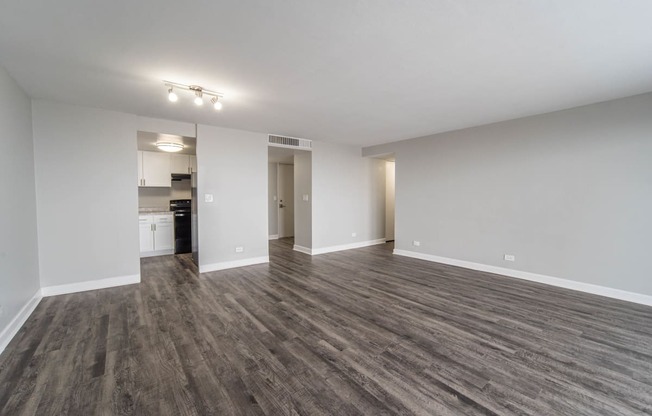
(302, 249)
(359, 244)
(156, 253)
(90, 285)
(534, 277)
(10, 331)
(232, 264)
(273, 237)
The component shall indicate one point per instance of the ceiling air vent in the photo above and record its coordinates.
(285, 141)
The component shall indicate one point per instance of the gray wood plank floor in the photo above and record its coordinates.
(348, 333)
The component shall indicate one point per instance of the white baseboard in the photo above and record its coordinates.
(156, 253)
(273, 237)
(232, 264)
(10, 331)
(534, 277)
(359, 244)
(90, 285)
(302, 249)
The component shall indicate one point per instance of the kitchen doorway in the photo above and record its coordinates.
(167, 205)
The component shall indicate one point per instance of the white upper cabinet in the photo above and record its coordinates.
(183, 163)
(140, 168)
(155, 169)
(179, 163)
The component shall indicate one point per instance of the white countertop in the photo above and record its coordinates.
(154, 211)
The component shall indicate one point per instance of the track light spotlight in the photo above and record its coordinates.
(216, 103)
(198, 98)
(172, 96)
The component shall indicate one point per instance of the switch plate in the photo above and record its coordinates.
(354, 234)
(274, 197)
(208, 197)
(305, 197)
(239, 249)
(510, 257)
(416, 243)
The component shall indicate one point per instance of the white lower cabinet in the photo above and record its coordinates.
(156, 234)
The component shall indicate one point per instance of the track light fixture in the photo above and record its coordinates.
(197, 90)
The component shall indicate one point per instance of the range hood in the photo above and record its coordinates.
(180, 176)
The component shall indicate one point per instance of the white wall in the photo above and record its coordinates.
(303, 209)
(232, 166)
(86, 177)
(158, 125)
(19, 272)
(272, 203)
(568, 193)
(348, 196)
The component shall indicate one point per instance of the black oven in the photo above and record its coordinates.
(182, 225)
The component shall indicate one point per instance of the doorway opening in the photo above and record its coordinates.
(289, 196)
(167, 185)
(390, 197)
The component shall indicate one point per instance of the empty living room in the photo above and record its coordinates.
(326, 207)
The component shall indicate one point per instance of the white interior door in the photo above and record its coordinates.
(285, 200)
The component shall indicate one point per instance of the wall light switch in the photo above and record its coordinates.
(305, 197)
(510, 257)
(208, 197)
(239, 249)
(274, 197)
(354, 234)
(416, 243)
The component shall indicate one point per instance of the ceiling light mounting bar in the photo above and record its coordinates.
(193, 88)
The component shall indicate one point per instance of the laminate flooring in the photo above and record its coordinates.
(347, 333)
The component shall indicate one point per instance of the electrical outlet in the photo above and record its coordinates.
(354, 234)
(510, 257)
(239, 249)
(208, 197)
(416, 243)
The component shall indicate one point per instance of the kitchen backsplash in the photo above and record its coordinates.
(160, 197)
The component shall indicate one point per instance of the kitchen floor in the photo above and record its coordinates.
(346, 333)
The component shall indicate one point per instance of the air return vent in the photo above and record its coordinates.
(285, 141)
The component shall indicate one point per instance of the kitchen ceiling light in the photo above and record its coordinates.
(172, 96)
(199, 94)
(169, 143)
(216, 103)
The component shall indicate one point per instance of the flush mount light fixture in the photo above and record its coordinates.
(199, 92)
(169, 143)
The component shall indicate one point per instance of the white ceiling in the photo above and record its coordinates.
(364, 72)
